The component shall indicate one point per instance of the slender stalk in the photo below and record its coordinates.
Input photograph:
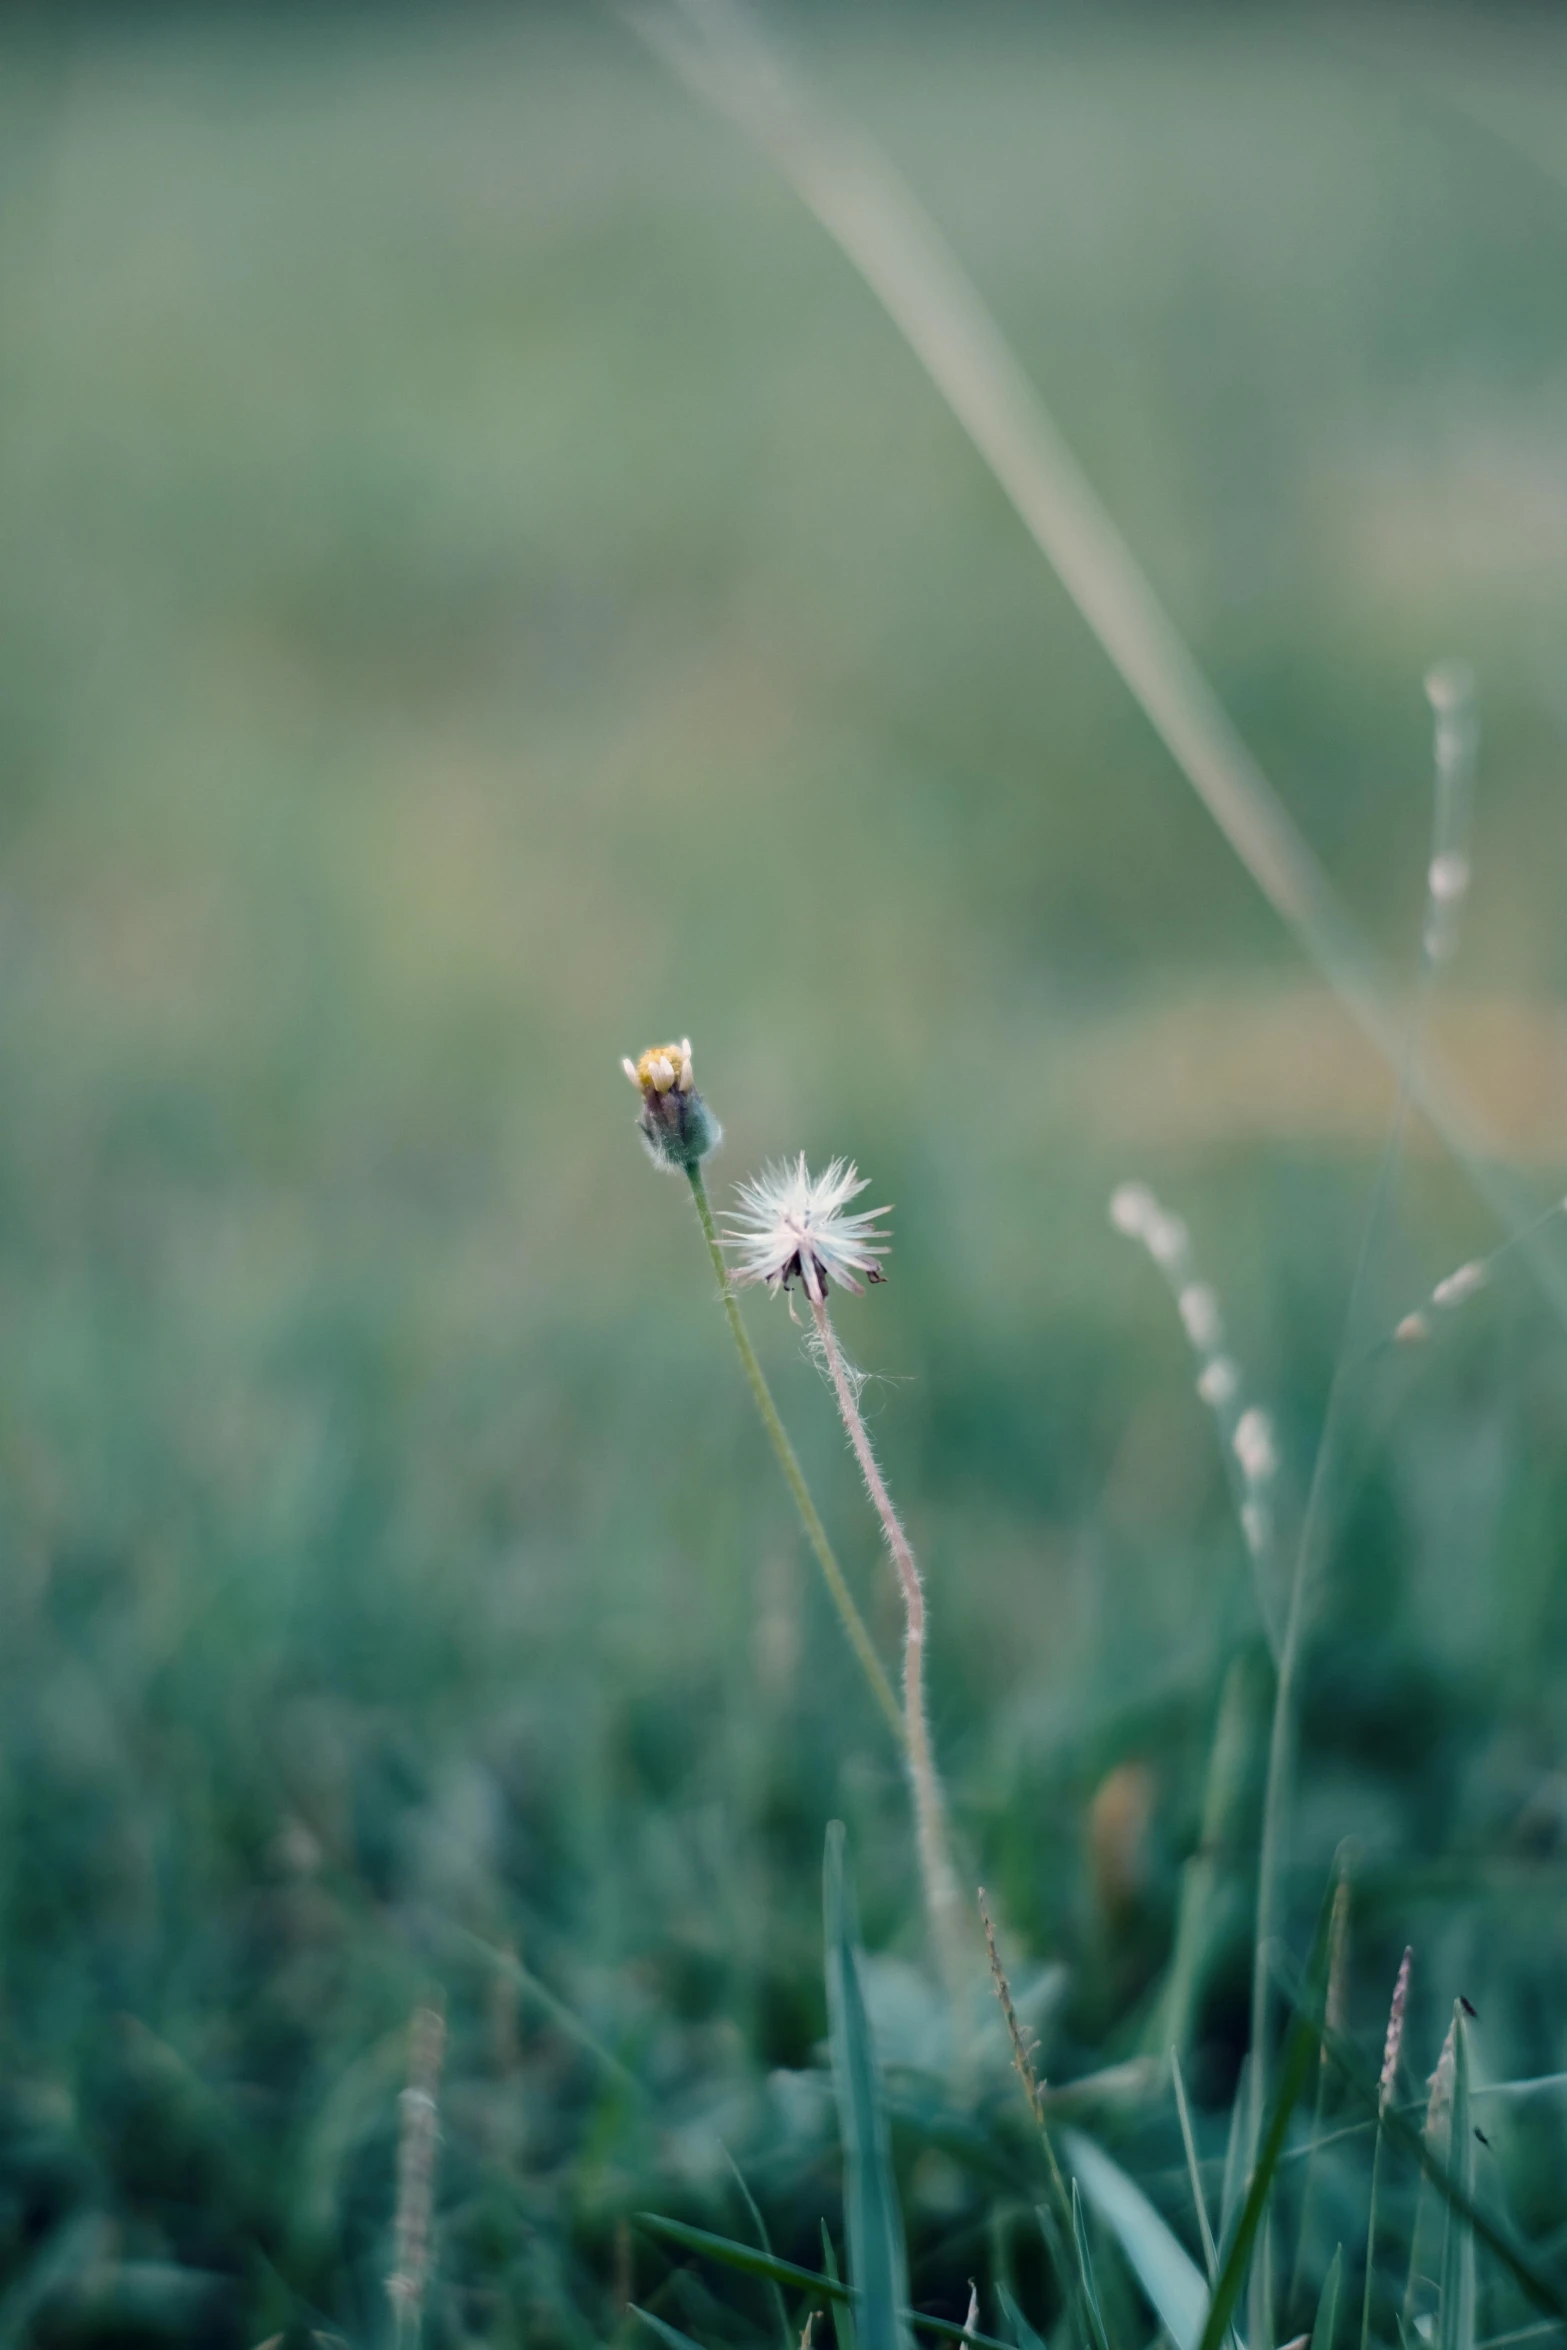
(1447, 883)
(1385, 2092)
(794, 1476)
(1338, 1963)
(936, 1872)
(1371, 2238)
(416, 2176)
(1023, 2066)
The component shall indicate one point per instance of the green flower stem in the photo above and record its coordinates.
(794, 1476)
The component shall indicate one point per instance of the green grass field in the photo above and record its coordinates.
(482, 588)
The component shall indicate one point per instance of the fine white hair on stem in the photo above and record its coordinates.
(1246, 1440)
(943, 1905)
(416, 2174)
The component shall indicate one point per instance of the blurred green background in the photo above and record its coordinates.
(483, 587)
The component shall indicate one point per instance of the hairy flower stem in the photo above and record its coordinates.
(930, 1824)
(794, 1476)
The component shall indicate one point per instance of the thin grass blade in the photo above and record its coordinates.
(1086, 2278)
(1300, 2053)
(878, 2268)
(843, 2306)
(1235, 2158)
(671, 2336)
(1327, 2304)
(1210, 2250)
(786, 2338)
(1456, 2321)
(825, 2283)
(1159, 2260)
(1023, 2333)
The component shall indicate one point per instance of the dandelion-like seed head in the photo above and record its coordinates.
(676, 1124)
(792, 1226)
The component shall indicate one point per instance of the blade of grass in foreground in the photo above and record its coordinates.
(1456, 2328)
(873, 2220)
(1024, 2335)
(750, 2262)
(780, 2314)
(671, 2336)
(1160, 2261)
(1210, 2250)
(1295, 2071)
(1087, 2281)
(1327, 2305)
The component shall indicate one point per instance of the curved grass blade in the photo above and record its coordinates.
(1210, 2250)
(1300, 2052)
(780, 2314)
(744, 2257)
(1456, 2323)
(1023, 2333)
(1327, 2304)
(1235, 2158)
(822, 2282)
(671, 2336)
(1160, 2261)
(878, 2267)
(1099, 2339)
(843, 2307)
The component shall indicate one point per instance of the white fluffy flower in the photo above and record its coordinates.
(792, 1225)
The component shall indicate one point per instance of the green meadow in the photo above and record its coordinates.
(483, 589)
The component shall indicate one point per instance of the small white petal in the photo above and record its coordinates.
(630, 1068)
(1218, 1381)
(1413, 1330)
